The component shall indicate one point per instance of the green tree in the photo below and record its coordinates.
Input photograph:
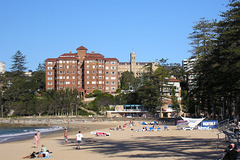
(127, 80)
(18, 62)
(202, 37)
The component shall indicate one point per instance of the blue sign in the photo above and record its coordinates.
(210, 123)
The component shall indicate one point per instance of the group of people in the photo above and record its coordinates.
(36, 139)
(42, 153)
(79, 137)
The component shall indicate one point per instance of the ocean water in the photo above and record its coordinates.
(11, 134)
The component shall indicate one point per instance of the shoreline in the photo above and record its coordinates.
(123, 144)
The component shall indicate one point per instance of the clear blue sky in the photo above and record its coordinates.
(154, 29)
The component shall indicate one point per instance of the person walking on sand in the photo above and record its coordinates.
(79, 137)
(35, 140)
(65, 135)
(39, 136)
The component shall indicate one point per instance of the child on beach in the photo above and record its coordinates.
(35, 140)
(65, 135)
(39, 136)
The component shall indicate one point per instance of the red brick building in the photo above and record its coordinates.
(83, 71)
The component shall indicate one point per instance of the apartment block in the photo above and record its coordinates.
(83, 71)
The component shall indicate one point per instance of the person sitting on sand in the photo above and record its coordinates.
(43, 152)
(231, 152)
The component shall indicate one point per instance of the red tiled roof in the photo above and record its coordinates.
(94, 55)
(50, 59)
(111, 59)
(173, 80)
(81, 48)
(68, 58)
(69, 55)
(89, 58)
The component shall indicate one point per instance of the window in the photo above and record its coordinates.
(87, 66)
(113, 62)
(67, 77)
(49, 63)
(107, 78)
(67, 61)
(113, 67)
(113, 73)
(93, 61)
(49, 73)
(87, 82)
(49, 68)
(99, 60)
(93, 82)
(73, 77)
(106, 72)
(60, 61)
(113, 77)
(113, 83)
(73, 72)
(93, 72)
(60, 77)
(60, 72)
(107, 67)
(100, 77)
(87, 77)
(73, 82)
(106, 83)
(67, 66)
(87, 61)
(93, 77)
(73, 65)
(100, 82)
(107, 88)
(93, 66)
(49, 83)
(100, 87)
(113, 88)
(67, 82)
(100, 66)
(100, 72)
(87, 72)
(67, 72)
(93, 87)
(107, 62)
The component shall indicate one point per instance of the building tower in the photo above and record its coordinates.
(133, 62)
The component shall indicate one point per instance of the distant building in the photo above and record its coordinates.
(167, 109)
(188, 65)
(28, 74)
(83, 71)
(127, 111)
(2, 67)
(138, 68)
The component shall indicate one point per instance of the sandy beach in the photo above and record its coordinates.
(121, 145)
